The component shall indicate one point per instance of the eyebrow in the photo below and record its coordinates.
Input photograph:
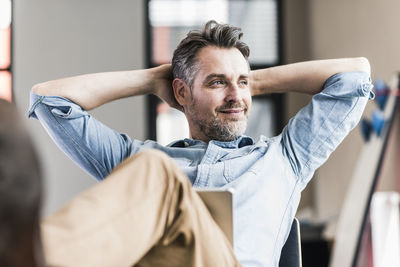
(223, 76)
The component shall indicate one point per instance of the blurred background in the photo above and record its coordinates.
(43, 40)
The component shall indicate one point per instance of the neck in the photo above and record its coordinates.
(200, 137)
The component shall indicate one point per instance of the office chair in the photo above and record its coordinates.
(291, 251)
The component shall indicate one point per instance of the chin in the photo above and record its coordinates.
(231, 131)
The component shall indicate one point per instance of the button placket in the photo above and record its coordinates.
(206, 166)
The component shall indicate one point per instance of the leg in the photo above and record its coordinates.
(144, 213)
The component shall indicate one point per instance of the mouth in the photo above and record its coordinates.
(233, 114)
(232, 111)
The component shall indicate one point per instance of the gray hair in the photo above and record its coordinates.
(184, 62)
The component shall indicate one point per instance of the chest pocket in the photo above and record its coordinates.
(236, 166)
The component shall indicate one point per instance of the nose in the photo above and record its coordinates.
(233, 93)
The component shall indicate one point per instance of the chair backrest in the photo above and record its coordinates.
(291, 251)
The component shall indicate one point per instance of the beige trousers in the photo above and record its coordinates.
(145, 213)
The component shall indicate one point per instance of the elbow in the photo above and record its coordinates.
(37, 89)
(363, 65)
(43, 89)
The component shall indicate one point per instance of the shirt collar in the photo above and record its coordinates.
(241, 141)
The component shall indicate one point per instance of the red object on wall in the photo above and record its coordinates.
(161, 45)
(5, 48)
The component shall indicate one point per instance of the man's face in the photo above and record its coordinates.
(220, 96)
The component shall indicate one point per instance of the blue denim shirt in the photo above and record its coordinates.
(267, 175)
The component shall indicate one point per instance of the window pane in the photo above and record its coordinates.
(264, 126)
(171, 124)
(5, 85)
(171, 20)
(259, 22)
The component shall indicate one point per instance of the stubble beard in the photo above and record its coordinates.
(219, 129)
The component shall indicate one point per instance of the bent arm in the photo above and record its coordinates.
(304, 77)
(92, 90)
(318, 128)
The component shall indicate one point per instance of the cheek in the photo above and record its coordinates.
(200, 109)
(206, 105)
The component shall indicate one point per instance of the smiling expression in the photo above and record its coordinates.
(219, 101)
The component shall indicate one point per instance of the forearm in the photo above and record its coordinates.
(305, 77)
(92, 90)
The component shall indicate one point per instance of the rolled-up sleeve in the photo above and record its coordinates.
(317, 129)
(93, 146)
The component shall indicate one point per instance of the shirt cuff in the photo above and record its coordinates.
(349, 84)
(53, 101)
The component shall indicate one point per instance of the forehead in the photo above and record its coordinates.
(227, 61)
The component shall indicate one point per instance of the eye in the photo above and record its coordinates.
(217, 83)
(243, 82)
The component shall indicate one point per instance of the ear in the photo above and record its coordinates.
(181, 91)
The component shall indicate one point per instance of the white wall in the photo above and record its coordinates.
(54, 39)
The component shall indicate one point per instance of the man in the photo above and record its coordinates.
(20, 193)
(213, 85)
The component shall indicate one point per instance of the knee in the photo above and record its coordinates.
(152, 157)
(150, 163)
(153, 154)
(164, 165)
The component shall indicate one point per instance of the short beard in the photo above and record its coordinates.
(224, 131)
(217, 129)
